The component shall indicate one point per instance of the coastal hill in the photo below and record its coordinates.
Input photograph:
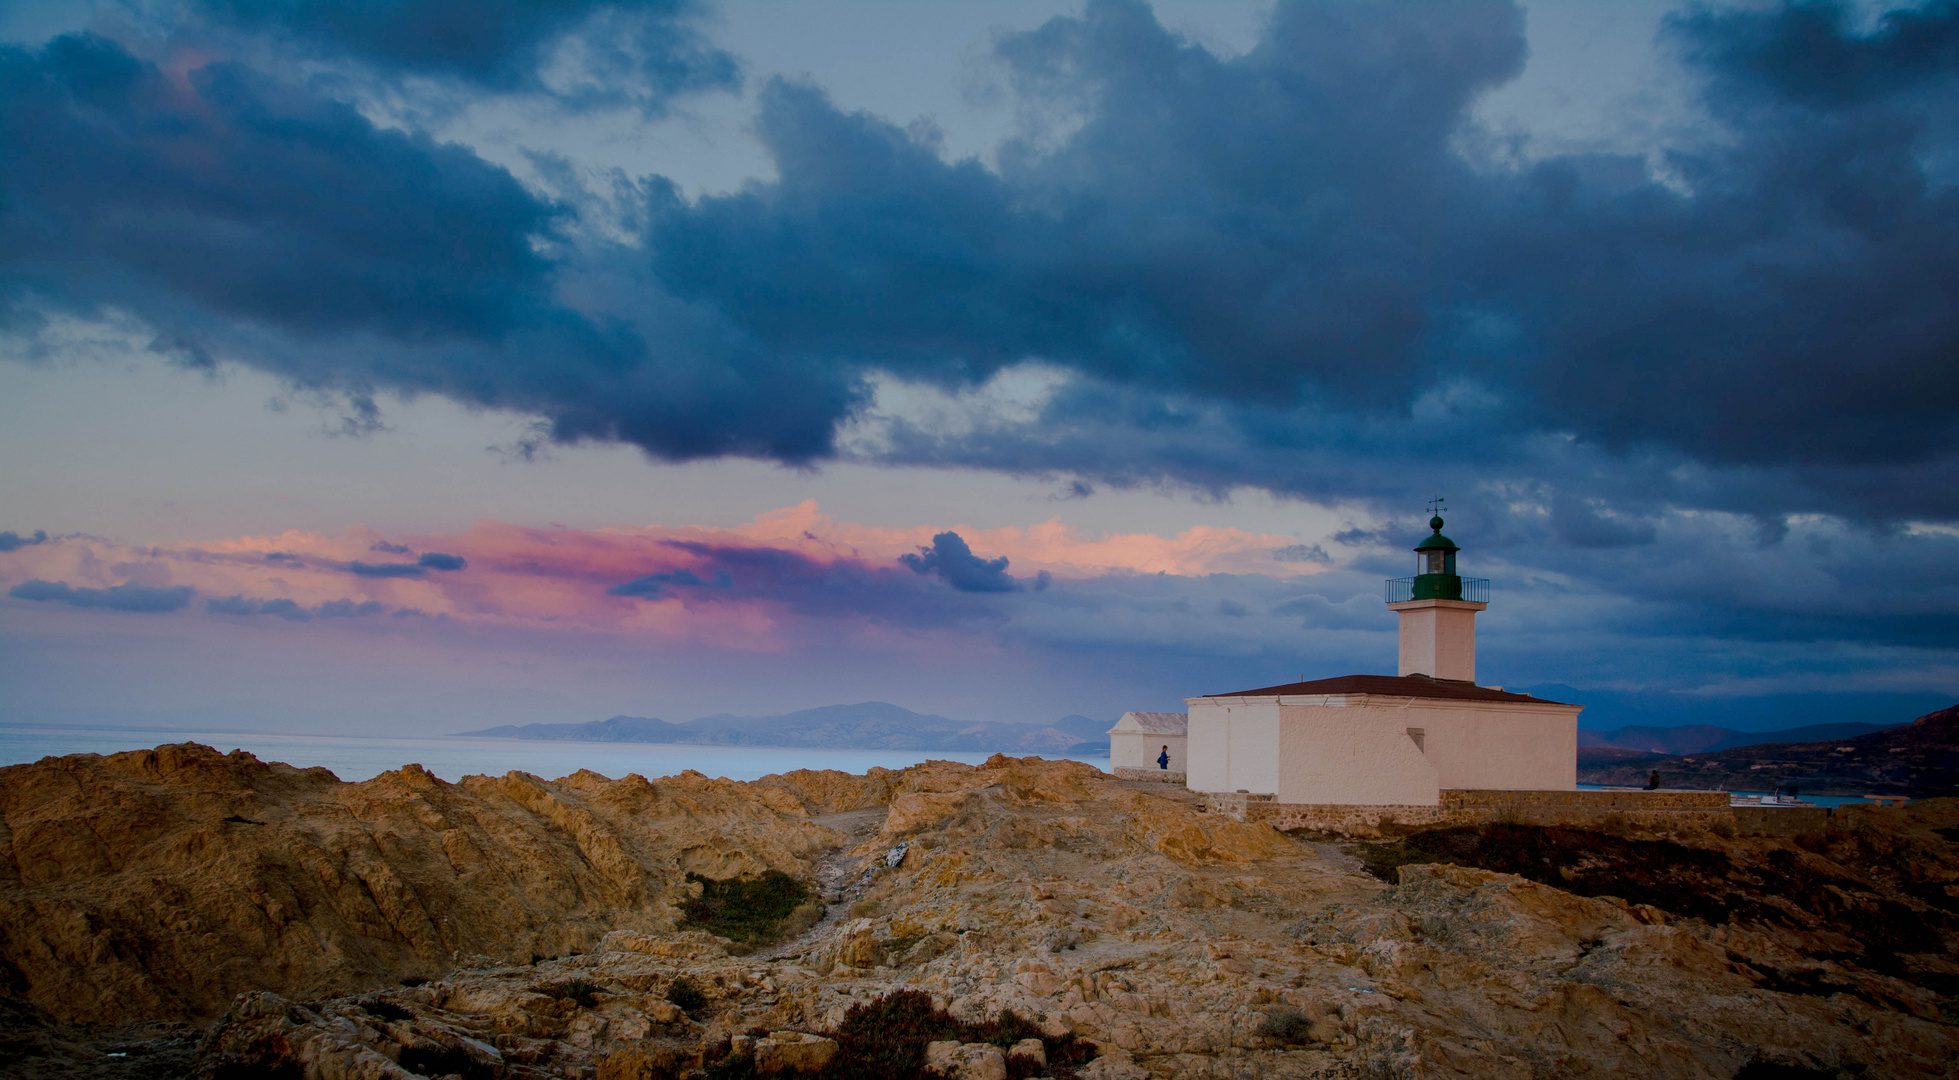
(1916, 759)
(252, 919)
(870, 725)
(1706, 738)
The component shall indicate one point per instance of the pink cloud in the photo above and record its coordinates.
(790, 574)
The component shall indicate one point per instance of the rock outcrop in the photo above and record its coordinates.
(1111, 919)
(166, 882)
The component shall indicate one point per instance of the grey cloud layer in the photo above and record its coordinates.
(1287, 244)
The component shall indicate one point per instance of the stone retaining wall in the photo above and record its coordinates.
(1162, 776)
(1609, 799)
(1668, 810)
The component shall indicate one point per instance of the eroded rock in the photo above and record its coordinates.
(1189, 946)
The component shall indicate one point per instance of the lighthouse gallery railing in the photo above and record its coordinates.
(1476, 590)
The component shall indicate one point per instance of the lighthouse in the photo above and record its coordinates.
(1388, 741)
(1438, 610)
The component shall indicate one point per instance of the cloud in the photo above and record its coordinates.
(1329, 283)
(128, 596)
(436, 560)
(645, 51)
(387, 548)
(13, 541)
(386, 570)
(344, 609)
(285, 609)
(1585, 525)
(652, 585)
(1312, 553)
(290, 610)
(953, 560)
(251, 219)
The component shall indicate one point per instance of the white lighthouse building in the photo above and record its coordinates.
(1400, 739)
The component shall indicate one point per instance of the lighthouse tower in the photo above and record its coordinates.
(1438, 611)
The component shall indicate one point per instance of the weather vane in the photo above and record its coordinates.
(1435, 506)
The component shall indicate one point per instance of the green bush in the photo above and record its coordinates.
(578, 990)
(685, 996)
(885, 1040)
(748, 911)
(1287, 1025)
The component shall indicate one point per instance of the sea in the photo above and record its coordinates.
(453, 757)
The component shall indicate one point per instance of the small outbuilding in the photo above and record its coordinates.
(1139, 740)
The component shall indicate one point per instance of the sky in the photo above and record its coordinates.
(414, 367)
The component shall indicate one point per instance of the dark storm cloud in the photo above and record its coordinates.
(436, 560)
(385, 570)
(1279, 269)
(249, 199)
(253, 219)
(500, 45)
(1812, 52)
(952, 559)
(128, 596)
(13, 541)
(1305, 257)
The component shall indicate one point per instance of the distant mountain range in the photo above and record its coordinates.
(1917, 759)
(871, 725)
(1704, 738)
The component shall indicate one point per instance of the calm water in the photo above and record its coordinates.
(362, 758)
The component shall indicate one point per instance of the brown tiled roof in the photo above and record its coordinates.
(1420, 686)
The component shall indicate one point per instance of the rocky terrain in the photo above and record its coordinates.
(1919, 759)
(178, 912)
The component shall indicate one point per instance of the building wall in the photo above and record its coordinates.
(1438, 638)
(1208, 759)
(1379, 750)
(1233, 747)
(1254, 745)
(1133, 751)
(1336, 754)
(1494, 745)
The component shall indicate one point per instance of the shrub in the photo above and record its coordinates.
(384, 1009)
(685, 996)
(885, 1039)
(1760, 1069)
(584, 993)
(748, 911)
(1286, 1024)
